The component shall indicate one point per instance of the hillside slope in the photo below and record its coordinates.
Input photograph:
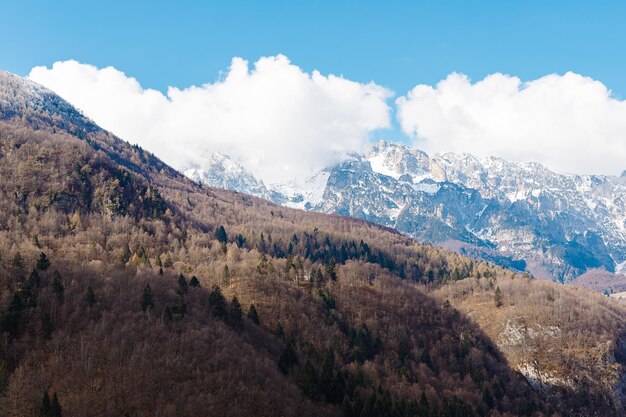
(127, 289)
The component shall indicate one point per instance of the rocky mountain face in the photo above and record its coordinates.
(520, 215)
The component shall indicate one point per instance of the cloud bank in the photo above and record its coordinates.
(276, 119)
(281, 122)
(570, 123)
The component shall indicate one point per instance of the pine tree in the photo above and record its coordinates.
(424, 406)
(217, 302)
(146, 298)
(167, 315)
(90, 296)
(220, 235)
(262, 246)
(326, 373)
(11, 320)
(194, 282)
(57, 286)
(253, 315)
(46, 408)
(331, 270)
(126, 253)
(43, 262)
(280, 333)
(287, 359)
(55, 407)
(167, 262)
(181, 305)
(33, 279)
(308, 381)
(497, 297)
(18, 260)
(236, 312)
(46, 326)
(182, 284)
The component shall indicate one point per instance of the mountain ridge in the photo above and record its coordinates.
(560, 225)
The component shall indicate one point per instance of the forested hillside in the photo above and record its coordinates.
(128, 290)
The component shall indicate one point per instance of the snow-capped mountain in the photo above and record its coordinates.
(223, 172)
(521, 215)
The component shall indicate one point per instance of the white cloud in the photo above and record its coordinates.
(276, 119)
(568, 122)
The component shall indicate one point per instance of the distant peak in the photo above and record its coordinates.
(386, 146)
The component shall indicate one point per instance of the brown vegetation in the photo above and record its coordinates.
(567, 340)
(138, 304)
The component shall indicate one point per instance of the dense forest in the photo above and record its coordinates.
(128, 290)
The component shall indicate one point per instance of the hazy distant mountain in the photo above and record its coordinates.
(520, 215)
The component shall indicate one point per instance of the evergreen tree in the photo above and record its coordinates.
(46, 408)
(194, 282)
(217, 302)
(423, 405)
(253, 315)
(497, 297)
(262, 246)
(279, 331)
(236, 312)
(487, 398)
(181, 305)
(426, 359)
(18, 260)
(43, 262)
(90, 296)
(11, 320)
(326, 373)
(220, 235)
(318, 278)
(308, 381)
(167, 315)
(126, 253)
(57, 286)
(146, 298)
(331, 270)
(182, 284)
(33, 279)
(46, 326)
(167, 262)
(55, 407)
(287, 359)
(240, 240)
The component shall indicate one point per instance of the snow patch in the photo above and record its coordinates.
(379, 165)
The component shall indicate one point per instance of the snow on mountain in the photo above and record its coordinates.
(222, 172)
(520, 215)
(302, 194)
(20, 97)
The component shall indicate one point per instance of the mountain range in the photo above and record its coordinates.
(519, 215)
(127, 289)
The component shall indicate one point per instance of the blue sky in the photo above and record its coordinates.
(397, 44)
(560, 101)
